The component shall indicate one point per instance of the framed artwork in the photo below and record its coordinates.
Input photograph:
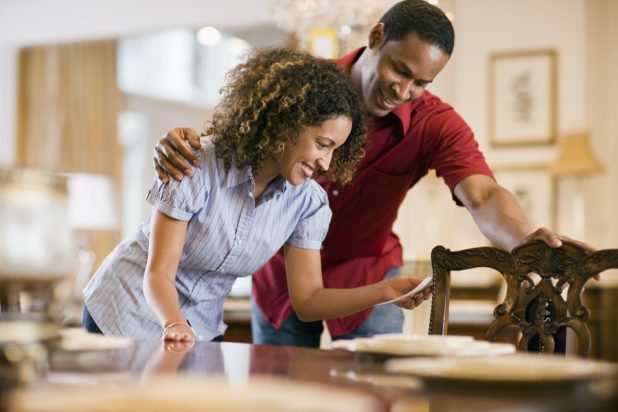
(522, 98)
(534, 188)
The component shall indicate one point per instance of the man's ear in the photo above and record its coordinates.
(376, 35)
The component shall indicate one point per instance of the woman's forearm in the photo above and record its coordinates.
(331, 303)
(162, 297)
(312, 301)
(166, 244)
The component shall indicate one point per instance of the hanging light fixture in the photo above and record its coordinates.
(329, 27)
(313, 22)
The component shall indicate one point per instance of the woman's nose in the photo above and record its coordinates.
(324, 162)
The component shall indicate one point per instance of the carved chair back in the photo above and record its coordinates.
(536, 307)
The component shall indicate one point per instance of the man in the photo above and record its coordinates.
(411, 132)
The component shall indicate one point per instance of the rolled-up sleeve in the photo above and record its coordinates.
(313, 225)
(180, 200)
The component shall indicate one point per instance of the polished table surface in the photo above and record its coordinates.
(335, 368)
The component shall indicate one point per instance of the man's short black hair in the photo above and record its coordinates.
(426, 20)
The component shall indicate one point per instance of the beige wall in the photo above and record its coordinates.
(602, 108)
(582, 32)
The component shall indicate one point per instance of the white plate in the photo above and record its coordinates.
(520, 367)
(78, 339)
(424, 345)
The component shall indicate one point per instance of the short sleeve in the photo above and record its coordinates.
(181, 200)
(313, 224)
(454, 152)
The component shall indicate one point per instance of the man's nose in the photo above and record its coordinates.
(407, 90)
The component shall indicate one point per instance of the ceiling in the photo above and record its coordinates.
(34, 22)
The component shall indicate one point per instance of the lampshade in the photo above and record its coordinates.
(576, 157)
(92, 202)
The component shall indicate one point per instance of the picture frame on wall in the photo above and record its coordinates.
(523, 98)
(535, 190)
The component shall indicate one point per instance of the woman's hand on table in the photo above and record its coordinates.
(177, 346)
(179, 332)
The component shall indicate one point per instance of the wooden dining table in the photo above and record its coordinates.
(356, 373)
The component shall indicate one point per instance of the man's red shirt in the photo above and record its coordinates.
(360, 246)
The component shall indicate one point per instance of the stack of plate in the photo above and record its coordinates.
(522, 368)
(424, 345)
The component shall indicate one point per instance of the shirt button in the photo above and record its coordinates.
(335, 192)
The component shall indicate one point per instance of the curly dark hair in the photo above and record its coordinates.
(271, 97)
(426, 20)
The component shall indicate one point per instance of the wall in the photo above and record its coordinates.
(602, 106)
(8, 80)
(33, 22)
(582, 32)
(158, 117)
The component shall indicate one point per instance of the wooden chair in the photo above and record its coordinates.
(537, 308)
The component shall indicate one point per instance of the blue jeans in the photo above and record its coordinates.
(89, 324)
(294, 332)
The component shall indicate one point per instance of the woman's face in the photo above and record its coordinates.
(313, 149)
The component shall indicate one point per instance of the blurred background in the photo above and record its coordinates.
(88, 87)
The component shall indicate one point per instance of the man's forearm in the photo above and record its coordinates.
(501, 219)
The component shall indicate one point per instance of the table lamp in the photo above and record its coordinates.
(576, 160)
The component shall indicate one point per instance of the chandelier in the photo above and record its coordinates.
(302, 15)
(347, 20)
(344, 23)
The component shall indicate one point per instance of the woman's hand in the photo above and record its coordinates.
(397, 286)
(177, 346)
(179, 332)
(173, 156)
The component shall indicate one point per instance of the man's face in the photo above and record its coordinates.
(396, 72)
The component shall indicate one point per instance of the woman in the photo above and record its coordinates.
(284, 117)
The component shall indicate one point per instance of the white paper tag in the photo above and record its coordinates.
(427, 282)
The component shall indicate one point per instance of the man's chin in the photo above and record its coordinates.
(379, 112)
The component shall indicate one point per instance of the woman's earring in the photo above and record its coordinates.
(281, 149)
